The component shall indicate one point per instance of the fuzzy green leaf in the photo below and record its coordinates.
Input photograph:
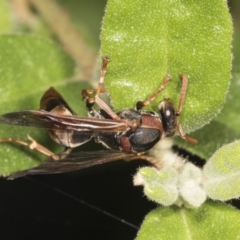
(159, 186)
(225, 128)
(222, 130)
(210, 221)
(222, 173)
(29, 66)
(190, 186)
(148, 39)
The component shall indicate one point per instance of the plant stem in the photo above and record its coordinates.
(59, 22)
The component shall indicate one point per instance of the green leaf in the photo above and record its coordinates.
(222, 130)
(222, 173)
(29, 66)
(211, 221)
(159, 185)
(148, 39)
(190, 187)
(225, 128)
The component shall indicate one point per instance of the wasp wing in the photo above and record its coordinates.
(72, 162)
(47, 120)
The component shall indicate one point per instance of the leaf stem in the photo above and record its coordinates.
(59, 22)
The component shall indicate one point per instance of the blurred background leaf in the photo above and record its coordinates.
(29, 66)
(5, 17)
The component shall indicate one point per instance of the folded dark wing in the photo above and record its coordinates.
(44, 119)
(72, 162)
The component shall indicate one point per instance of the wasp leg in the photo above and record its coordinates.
(91, 100)
(86, 94)
(179, 110)
(32, 145)
(183, 135)
(141, 104)
(182, 94)
(153, 161)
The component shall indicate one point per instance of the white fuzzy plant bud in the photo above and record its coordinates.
(174, 181)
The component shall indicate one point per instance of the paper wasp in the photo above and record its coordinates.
(129, 133)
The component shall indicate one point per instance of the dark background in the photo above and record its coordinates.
(95, 203)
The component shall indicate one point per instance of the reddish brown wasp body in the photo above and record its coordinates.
(131, 132)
